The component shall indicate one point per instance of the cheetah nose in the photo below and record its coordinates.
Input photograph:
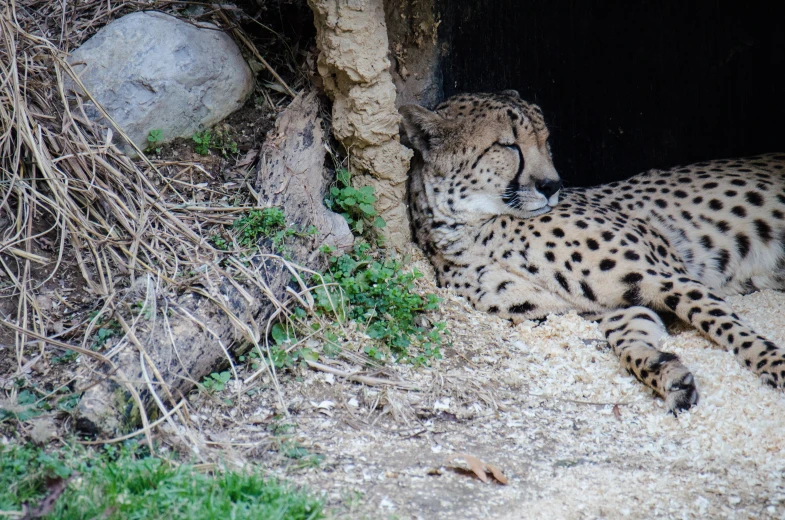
(548, 187)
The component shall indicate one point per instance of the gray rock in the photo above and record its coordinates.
(153, 71)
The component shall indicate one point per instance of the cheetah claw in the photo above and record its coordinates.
(682, 395)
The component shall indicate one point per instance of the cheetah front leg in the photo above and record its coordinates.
(711, 315)
(635, 334)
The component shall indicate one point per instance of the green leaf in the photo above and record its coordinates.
(154, 136)
(366, 199)
(68, 403)
(26, 397)
(367, 209)
(379, 222)
(366, 190)
(280, 334)
(310, 355)
(343, 176)
(348, 202)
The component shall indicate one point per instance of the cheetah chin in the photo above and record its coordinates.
(488, 209)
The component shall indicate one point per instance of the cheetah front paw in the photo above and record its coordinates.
(682, 394)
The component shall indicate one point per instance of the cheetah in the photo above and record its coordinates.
(488, 208)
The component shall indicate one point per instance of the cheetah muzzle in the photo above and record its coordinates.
(488, 209)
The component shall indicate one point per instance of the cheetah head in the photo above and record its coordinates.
(482, 155)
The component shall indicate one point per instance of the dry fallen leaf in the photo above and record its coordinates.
(617, 412)
(247, 160)
(479, 467)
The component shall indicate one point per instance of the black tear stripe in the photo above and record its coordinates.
(521, 162)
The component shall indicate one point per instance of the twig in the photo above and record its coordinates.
(366, 380)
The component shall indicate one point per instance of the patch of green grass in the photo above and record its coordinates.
(354, 204)
(119, 484)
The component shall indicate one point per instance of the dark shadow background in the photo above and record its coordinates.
(628, 85)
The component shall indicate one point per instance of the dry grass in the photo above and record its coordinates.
(116, 220)
(82, 214)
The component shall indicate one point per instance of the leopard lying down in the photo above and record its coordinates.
(488, 209)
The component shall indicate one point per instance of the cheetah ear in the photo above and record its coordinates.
(422, 127)
(511, 93)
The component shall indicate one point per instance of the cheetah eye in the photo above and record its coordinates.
(517, 149)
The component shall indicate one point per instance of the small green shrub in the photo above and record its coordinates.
(216, 382)
(206, 140)
(202, 141)
(380, 293)
(283, 335)
(222, 141)
(377, 292)
(266, 223)
(219, 242)
(153, 138)
(66, 357)
(356, 205)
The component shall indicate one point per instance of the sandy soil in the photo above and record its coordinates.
(575, 435)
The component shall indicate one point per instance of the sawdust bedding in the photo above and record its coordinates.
(576, 436)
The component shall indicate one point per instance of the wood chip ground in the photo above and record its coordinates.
(575, 435)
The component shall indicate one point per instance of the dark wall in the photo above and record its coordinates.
(628, 85)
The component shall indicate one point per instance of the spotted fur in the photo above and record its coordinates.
(487, 208)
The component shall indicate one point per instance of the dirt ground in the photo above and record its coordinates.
(575, 435)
